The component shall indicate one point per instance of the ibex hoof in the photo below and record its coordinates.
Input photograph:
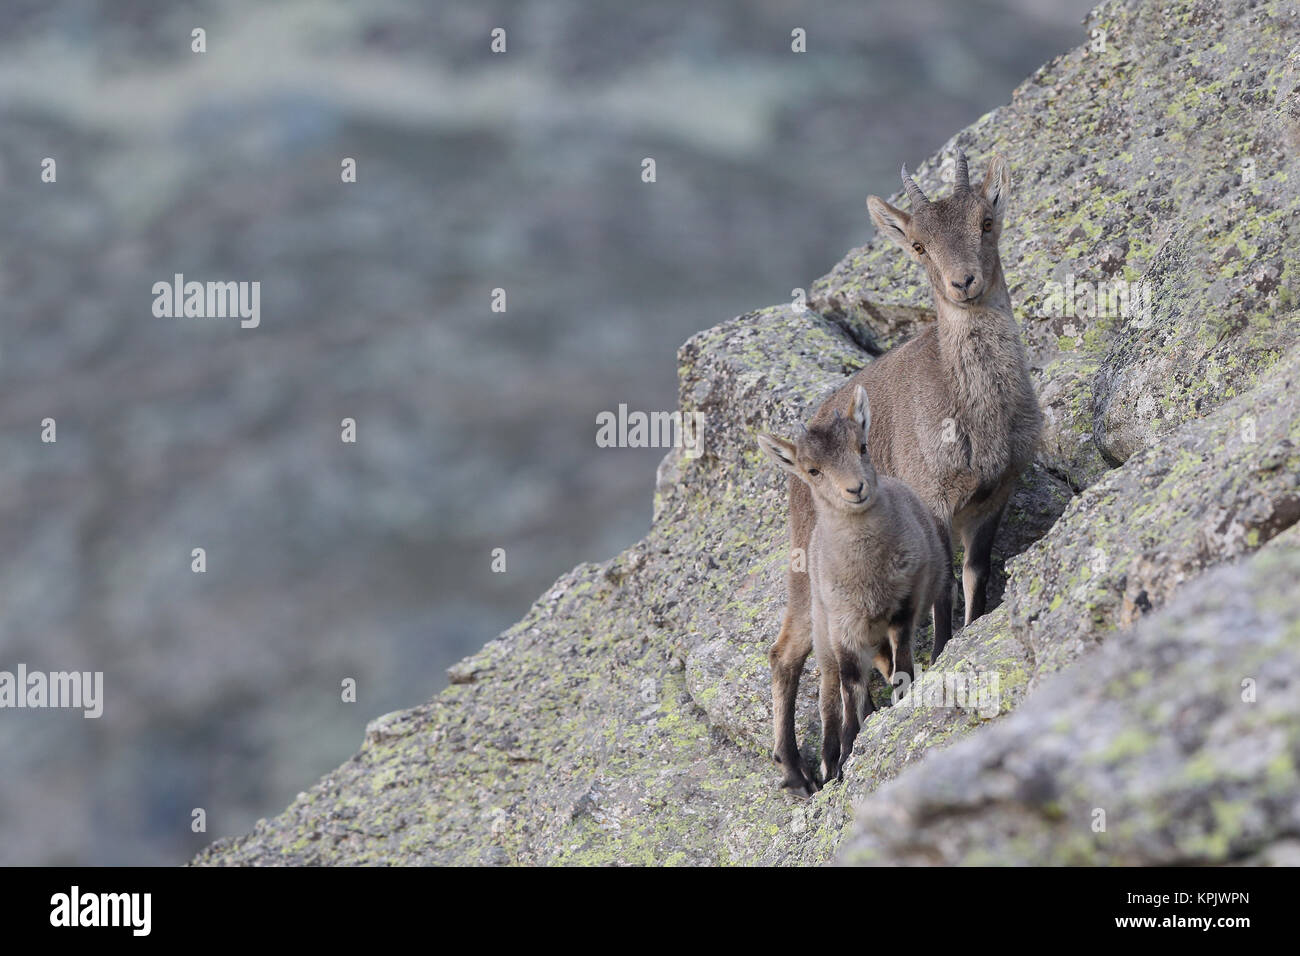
(833, 776)
(799, 782)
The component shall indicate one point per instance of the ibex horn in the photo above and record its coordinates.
(913, 190)
(963, 170)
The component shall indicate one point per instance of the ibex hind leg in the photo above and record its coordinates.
(787, 658)
(901, 629)
(788, 654)
(896, 657)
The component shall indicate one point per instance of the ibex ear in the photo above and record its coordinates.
(890, 221)
(862, 409)
(997, 184)
(779, 450)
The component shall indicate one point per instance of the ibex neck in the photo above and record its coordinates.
(855, 524)
(980, 347)
(990, 322)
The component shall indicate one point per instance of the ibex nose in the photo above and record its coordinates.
(963, 286)
(856, 491)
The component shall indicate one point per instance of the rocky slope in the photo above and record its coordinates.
(626, 720)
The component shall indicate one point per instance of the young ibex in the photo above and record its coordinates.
(876, 564)
(956, 415)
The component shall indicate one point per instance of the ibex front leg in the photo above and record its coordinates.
(856, 702)
(832, 716)
(942, 607)
(977, 542)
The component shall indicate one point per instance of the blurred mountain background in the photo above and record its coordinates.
(476, 429)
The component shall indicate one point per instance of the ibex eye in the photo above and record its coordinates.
(814, 472)
(920, 249)
(987, 225)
